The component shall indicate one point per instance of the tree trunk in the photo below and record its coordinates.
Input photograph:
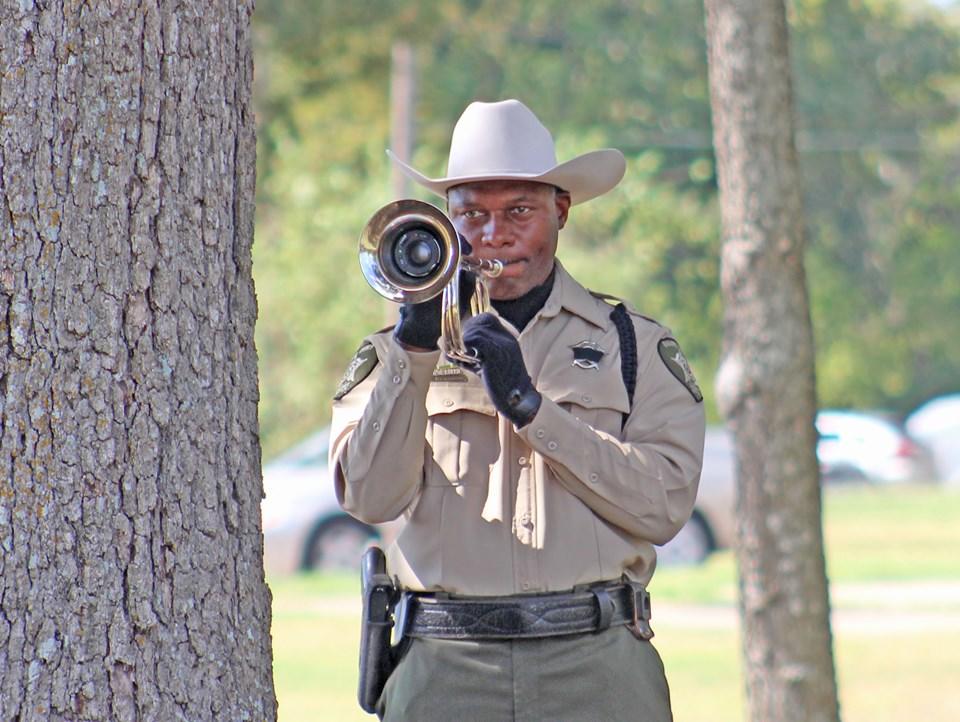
(765, 384)
(131, 576)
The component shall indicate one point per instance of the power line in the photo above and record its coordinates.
(808, 141)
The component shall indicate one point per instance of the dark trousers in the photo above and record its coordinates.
(610, 676)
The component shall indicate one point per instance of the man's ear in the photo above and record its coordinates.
(562, 200)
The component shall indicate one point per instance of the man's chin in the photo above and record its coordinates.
(508, 292)
(508, 287)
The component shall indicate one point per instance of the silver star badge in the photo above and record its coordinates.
(587, 355)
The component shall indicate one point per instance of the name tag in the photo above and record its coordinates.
(449, 373)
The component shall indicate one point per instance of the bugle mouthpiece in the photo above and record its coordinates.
(489, 267)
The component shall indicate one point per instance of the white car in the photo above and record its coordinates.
(303, 524)
(858, 446)
(937, 424)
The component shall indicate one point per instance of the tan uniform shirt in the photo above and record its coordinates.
(566, 500)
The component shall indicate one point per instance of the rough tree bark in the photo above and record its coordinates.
(765, 384)
(131, 577)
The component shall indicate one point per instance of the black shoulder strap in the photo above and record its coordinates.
(628, 352)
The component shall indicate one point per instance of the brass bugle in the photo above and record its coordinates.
(410, 252)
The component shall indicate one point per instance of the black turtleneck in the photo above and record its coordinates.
(519, 311)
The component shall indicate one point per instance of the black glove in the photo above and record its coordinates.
(420, 322)
(502, 368)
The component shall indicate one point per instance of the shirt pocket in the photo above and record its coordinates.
(462, 431)
(596, 397)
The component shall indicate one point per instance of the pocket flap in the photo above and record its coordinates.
(446, 397)
(588, 388)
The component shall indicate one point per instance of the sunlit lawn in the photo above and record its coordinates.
(897, 535)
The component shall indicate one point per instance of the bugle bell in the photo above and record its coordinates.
(410, 252)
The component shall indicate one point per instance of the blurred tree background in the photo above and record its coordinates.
(878, 93)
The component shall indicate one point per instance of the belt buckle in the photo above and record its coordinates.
(640, 625)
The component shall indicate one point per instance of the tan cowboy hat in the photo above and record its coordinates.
(504, 141)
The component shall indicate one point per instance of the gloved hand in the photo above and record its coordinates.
(502, 369)
(419, 324)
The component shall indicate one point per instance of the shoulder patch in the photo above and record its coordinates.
(677, 363)
(360, 366)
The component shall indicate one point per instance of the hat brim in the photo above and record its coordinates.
(584, 177)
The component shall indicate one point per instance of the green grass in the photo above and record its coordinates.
(703, 673)
(882, 679)
(899, 535)
(315, 585)
(315, 666)
(713, 582)
(892, 534)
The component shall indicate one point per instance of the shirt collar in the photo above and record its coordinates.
(569, 294)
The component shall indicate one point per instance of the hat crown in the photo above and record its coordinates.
(498, 138)
(506, 141)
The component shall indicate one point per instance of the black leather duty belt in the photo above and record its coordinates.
(592, 609)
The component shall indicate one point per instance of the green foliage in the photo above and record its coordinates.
(877, 109)
(877, 96)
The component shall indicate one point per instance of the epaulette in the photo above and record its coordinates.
(616, 300)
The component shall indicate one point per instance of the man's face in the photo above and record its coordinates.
(515, 221)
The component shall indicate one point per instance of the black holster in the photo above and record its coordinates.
(377, 656)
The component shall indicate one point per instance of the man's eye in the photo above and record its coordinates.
(471, 214)
(521, 210)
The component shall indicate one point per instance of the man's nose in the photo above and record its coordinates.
(495, 232)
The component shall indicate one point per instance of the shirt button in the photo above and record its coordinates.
(540, 433)
(448, 402)
(396, 379)
(402, 364)
(523, 461)
(587, 398)
(552, 445)
(593, 478)
(376, 426)
(525, 586)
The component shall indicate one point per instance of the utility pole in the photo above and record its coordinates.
(402, 102)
